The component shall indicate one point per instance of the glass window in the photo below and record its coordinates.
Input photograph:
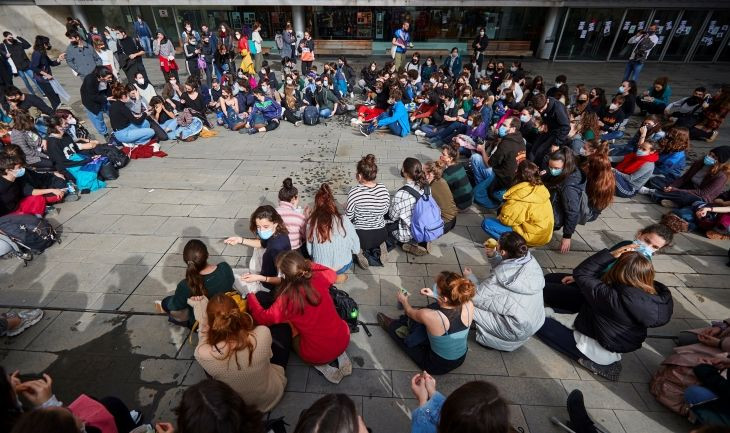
(687, 30)
(636, 19)
(713, 37)
(588, 34)
(665, 20)
(725, 53)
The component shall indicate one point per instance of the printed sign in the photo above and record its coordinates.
(163, 13)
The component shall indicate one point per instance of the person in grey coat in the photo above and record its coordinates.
(80, 56)
(508, 306)
(290, 41)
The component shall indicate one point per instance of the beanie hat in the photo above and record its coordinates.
(722, 153)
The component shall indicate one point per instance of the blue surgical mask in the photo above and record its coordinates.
(642, 152)
(265, 234)
(657, 136)
(621, 89)
(525, 118)
(709, 161)
(556, 171)
(20, 172)
(643, 248)
(502, 131)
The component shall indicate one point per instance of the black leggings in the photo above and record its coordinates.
(280, 333)
(305, 67)
(51, 94)
(290, 117)
(120, 412)
(563, 298)
(44, 164)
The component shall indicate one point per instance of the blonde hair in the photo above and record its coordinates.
(634, 270)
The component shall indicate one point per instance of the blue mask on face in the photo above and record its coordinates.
(20, 172)
(265, 234)
(556, 171)
(525, 118)
(709, 161)
(621, 89)
(643, 249)
(641, 153)
(502, 131)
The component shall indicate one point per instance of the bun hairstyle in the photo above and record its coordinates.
(295, 289)
(455, 288)
(288, 192)
(436, 168)
(324, 216)
(452, 151)
(367, 168)
(229, 325)
(513, 244)
(413, 170)
(195, 256)
(475, 407)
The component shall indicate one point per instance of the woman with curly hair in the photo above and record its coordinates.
(713, 116)
(672, 158)
(600, 180)
(583, 129)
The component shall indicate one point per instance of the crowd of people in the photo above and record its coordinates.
(540, 158)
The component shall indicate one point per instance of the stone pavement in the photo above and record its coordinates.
(122, 250)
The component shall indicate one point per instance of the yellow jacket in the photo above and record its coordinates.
(528, 211)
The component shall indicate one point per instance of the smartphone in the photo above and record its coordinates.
(404, 291)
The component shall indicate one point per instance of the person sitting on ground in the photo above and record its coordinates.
(201, 279)
(566, 183)
(713, 116)
(628, 90)
(325, 100)
(292, 103)
(436, 339)
(398, 222)
(193, 99)
(474, 407)
(320, 336)
(611, 119)
(145, 89)
(68, 158)
(331, 413)
(508, 305)
(272, 239)
(51, 186)
(614, 311)
(635, 169)
(367, 204)
(128, 127)
(331, 239)
(294, 217)
(600, 179)
(686, 111)
(526, 209)
(396, 118)
(441, 193)
(655, 99)
(586, 128)
(265, 114)
(708, 401)
(456, 177)
(672, 158)
(25, 135)
(230, 110)
(164, 115)
(250, 358)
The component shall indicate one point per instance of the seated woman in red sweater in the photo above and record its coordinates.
(320, 336)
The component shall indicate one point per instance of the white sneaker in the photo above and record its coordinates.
(343, 361)
(420, 133)
(646, 191)
(330, 373)
(28, 318)
(298, 123)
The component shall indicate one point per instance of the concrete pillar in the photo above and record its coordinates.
(298, 20)
(549, 33)
(78, 13)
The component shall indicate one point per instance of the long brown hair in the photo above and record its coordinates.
(528, 172)
(601, 182)
(290, 97)
(589, 122)
(455, 288)
(230, 326)
(475, 406)
(323, 216)
(195, 255)
(267, 212)
(295, 289)
(22, 120)
(634, 270)
(676, 139)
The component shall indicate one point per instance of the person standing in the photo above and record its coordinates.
(643, 42)
(14, 48)
(306, 48)
(258, 57)
(290, 41)
(192, 52)
(129, 54)
(207, 53)
(80, 56)
(480, 46)
(162, 46)
(41, 64)
(144, 35)
(94, 95)
(401, 42)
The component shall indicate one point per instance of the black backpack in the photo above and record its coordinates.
(311, 115)
(30, 232)
(347, 309)
(114, 155)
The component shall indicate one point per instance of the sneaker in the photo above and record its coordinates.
(420, 133)
(646, 191)
(610, 371)
(414, 249)
(252, 131)
(383, 253)
(675, 223)
(298, 123)
(332, 374)
(28, 318)
(579, 419)
(341, 278)
(355, 121)
(362, 260)
(384, 321)
(712, 136)
(668, 203)
(136, 416)
(344, 363)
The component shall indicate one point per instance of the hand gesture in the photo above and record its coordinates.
(430, 384)
(565, 245)
(193, 300)
(568, 279)
(418, 386)
(712, 331)
(36, 392)
(233, 240)
(668, 188)
(426, 291)
(61, 56)
(14, 379)
(643, 131)
(701, 213)
(57, 192)
(252, 278)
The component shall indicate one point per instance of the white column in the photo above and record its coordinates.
(298, 20)
(549, 33)
(80, 15)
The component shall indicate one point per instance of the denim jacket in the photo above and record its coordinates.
(424, 419)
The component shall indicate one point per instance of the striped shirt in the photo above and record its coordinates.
(459, 184)
(294, 221)
(366, 207)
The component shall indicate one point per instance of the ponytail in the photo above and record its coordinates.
(195, 255)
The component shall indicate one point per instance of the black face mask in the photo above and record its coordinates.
(694, 100)
(75, 43)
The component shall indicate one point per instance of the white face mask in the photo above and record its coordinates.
(140, 81)
(470, 122)
(507, 83)
(432, 80)
(289, 81)
(484, 87)
(265, 88)
(613, 107)
(513, 69)
(71, 121)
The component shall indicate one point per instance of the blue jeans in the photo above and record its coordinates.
(494, 228)
(27, 77)
(480, 169)
(612, 135)
(633, 69)
(344, 269)
(325, 112)
(697, 394)
(395, 128)
(451, 131)
(171, 127)
(430, 131)
(231, 118)
(98, 120)
(146, 44)
(134, 134)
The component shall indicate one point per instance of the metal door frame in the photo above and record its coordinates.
(671, 35)
(696, 42)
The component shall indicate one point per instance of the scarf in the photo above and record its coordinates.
(632, 162)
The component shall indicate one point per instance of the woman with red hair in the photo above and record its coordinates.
(331, 239)
(600, 180)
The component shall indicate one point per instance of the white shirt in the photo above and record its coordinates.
(593, 350)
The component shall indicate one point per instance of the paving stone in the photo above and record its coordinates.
(146, 244)
(607, 395)
(522, 362)
(529, 391)
(293, 403)
(376, 383)
(137, 225)
(446, 384)
(73, 329)
(28, 363)
(122, 279)
(21, 341)
(655, 422)
(161, 280)
(387, 414)
(538, 418)
(713, 303)
(167, 371)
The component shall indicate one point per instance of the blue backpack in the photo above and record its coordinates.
(426, 222)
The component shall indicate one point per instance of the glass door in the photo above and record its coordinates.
(665, 20)
(687, 30)
(588, 34)
(713, 37)
(725, 53)
(636, 19)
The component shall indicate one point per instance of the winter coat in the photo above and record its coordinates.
(709, 189)
(509, 153)
(397, 114)
(528, 211)
(557, 121)
(671, 164)
(508, 306)
(566, 201)
(617, 316)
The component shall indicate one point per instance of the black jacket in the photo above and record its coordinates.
(481, 40)
(565, 198)
(17, 53)
(92, 98)
(617, 316)
(120, 116)
(510, 151)
(557, 121)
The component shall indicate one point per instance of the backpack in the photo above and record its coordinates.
(347, 309)
(114, 155)
(426, 222)
(279, 39)
(311, 115)
(29, 232)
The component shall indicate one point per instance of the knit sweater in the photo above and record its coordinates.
(260, 383)
(29, 142)
(294, 221)
(461, 188)
(338, 251)
(441, 192)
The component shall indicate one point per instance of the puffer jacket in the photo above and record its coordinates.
(508, 306)
(617, 316)
(528, 211)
